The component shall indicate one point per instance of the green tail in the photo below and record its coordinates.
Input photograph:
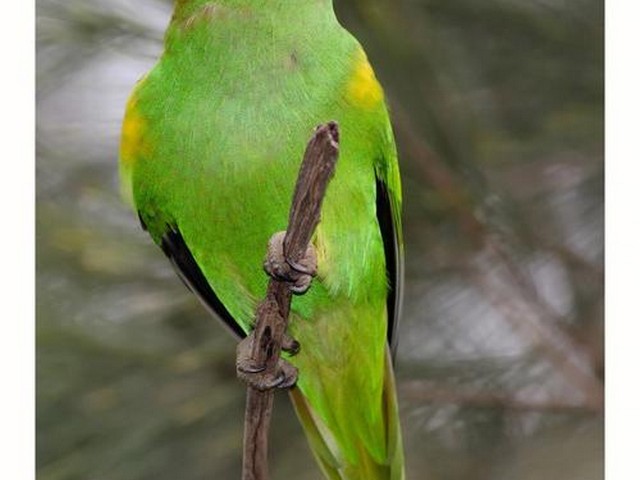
(327, 452)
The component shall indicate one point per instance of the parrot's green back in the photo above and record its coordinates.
(212, 141)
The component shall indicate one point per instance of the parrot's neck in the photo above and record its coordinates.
(298, 16)
(188, 7)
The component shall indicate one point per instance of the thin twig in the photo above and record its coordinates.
(272, 314)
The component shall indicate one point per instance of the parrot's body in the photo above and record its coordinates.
(212, 142)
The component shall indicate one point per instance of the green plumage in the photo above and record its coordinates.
(212, 142)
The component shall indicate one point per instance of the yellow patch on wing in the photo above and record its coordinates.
(131, 140)
(132, 144)
(363, 88)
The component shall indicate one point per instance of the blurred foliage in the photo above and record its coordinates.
(498, 113)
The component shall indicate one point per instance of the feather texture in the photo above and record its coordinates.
(213, 139)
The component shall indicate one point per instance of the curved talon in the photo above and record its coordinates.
(301, 286)
(250, 368)
(290, 345)
(285, 376)
(289, 373)
(288, 382)
(269, 382)
(308, 264)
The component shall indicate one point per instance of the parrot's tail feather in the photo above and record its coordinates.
(395, 450)
(327, 451)
(319, 444)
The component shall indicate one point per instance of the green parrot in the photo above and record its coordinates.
(212, 140)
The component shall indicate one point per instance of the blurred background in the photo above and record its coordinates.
(498, 112)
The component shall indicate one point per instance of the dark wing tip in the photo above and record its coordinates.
(394, 261)
(176, 249)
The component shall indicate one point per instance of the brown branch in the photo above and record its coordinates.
(272, 314)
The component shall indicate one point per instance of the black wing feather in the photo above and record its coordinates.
(174, 247)
(394, 260)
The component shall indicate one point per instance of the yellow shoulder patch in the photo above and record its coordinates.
(131, 140)
(132, 143)
(363, 88)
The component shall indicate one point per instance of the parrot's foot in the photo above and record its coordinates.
(256, 375)
(298, 275)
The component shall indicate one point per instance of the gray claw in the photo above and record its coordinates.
(290, 374)
(290, 345)
(248, 367)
